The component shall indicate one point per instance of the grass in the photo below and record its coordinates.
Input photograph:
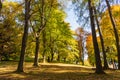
(54, 71)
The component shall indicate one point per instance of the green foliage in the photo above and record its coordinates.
(59, 37)
(59, 40)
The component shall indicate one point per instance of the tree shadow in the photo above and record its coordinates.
(55, 72)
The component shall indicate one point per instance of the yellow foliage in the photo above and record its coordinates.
(105, 23)
(107, 28)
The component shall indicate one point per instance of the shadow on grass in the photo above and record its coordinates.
(57, 72)
(57, 76)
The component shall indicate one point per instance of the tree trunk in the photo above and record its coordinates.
(52, 56)
(115, 32)
(51, 48)
(0, 5)
(83, 59)
(24, 38)
(0, 57)
(99, 69)
(44, 59)
(102, 41)
(114, 64)
(48, 60)
(64, 59)
(44, 45)
(58, 57)
(38, 34)
(36, 52)
(81, 54)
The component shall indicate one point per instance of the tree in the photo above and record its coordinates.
(101, 39)
(80, 9)
(115, 32)
(9, 30)
(58, 37)
(81, 36)
(109, 37)
(25, 35)
(99, 69)
(42, 12)
(0, 5)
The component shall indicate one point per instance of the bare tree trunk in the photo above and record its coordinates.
(102, 41)
(36, 52)
(99, 69)
(115, 32)
(24, 38)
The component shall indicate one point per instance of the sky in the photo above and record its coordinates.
(71, 17)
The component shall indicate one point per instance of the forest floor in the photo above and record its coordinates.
(54, 71)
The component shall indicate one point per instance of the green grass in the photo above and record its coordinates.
(54, 71)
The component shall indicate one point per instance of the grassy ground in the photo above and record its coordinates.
(54, 71)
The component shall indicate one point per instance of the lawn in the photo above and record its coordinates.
(54, 71)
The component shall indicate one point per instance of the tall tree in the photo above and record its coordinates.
(39, 20)
(99, 69)
(115, 32)
(25, 35)
(38, 33)
(81, 34)
(101, 39)
(58, 37)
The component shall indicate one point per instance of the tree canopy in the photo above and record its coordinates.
(36, 31)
